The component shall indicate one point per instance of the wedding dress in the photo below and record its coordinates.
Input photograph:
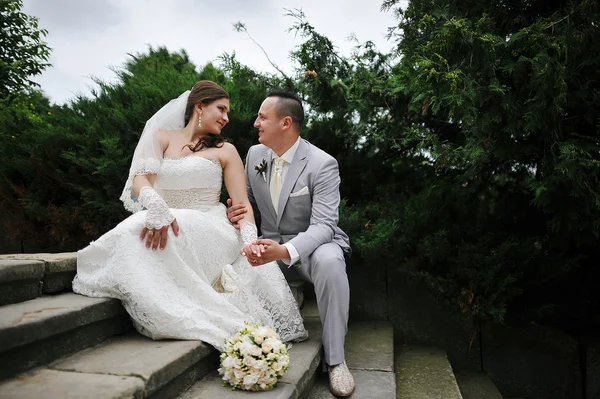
(199, 287)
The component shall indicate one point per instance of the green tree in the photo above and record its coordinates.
(504, 100)
(23, 52)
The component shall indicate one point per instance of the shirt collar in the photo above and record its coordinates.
(288, 156)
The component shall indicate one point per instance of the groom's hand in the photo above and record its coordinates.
(272, 250)
(235, 213)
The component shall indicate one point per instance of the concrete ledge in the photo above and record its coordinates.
(370, 357)
(423, 372)
(211, 386)
(42, 330)
(37, 319)
(59, 384)
(20, 280)
(370, 346)
(59, 269)
(369, 385)
(155, 362)
(476, 385)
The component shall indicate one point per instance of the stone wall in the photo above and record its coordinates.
(524, 361)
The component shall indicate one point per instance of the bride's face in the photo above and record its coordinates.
(215, 116)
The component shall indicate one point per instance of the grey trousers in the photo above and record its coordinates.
(326, 269)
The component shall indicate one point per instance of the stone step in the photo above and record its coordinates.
(121, 367)
(370, 358)
(476, 385)
(28, 276)
(424, 372)
(41, 330)
(305, 358)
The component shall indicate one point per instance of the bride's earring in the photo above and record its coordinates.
(200, 120)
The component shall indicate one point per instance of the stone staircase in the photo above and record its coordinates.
(57, 344)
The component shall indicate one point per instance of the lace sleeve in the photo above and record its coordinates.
(248, 232)
(158, 214)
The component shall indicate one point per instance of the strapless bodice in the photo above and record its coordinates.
(191, 182)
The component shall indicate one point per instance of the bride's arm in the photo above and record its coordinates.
(235, 180)
(140, 181)
(158, 215)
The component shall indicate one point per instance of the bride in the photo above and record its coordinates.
(175, 263)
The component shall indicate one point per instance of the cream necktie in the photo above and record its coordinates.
(276, 182)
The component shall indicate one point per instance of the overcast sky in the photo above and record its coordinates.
(89, 36)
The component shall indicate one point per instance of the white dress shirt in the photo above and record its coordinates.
(288, 156)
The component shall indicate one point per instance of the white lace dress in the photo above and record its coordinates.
(199, 287)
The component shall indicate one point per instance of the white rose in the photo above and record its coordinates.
(274, 343)
(284, 361)
(262, 331)
(228, 362)
(255, 350)
(239, 374)
(260, 365)
(276, 366)
(249, 361)
(266, 348)
(250, 380)
(245, 348)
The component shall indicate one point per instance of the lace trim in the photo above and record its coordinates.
(215, 161)
(158, 214)
(248, 232)
(146, 166)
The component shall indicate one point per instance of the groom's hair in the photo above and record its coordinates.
(289, 104)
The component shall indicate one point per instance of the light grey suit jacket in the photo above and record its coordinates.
(306, 221)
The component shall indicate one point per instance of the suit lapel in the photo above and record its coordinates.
(265, 188)
(296, 167)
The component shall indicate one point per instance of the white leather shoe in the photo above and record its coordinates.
(341, 382)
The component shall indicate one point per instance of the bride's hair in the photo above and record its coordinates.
(204, 92)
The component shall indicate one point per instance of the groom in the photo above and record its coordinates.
(295, 187)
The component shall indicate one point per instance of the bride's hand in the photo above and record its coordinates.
(252, 250)
(157, 238)
(272, 251)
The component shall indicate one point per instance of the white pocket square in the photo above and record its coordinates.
(302, 191)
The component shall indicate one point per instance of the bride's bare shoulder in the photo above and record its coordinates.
(227, 153)
(168, 136)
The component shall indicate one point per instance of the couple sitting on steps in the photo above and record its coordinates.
(187, 267)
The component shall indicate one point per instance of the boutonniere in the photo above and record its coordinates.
(262, 169)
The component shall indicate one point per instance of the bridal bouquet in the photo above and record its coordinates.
(253, 359)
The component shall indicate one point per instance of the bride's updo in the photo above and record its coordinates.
(204, 92)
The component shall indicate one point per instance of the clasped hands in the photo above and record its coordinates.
(260, 251)
(264, 251)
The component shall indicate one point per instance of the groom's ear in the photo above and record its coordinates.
(287, 122)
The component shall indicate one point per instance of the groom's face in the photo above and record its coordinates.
(268, 122)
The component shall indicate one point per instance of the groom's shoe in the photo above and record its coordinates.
(341, 382)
